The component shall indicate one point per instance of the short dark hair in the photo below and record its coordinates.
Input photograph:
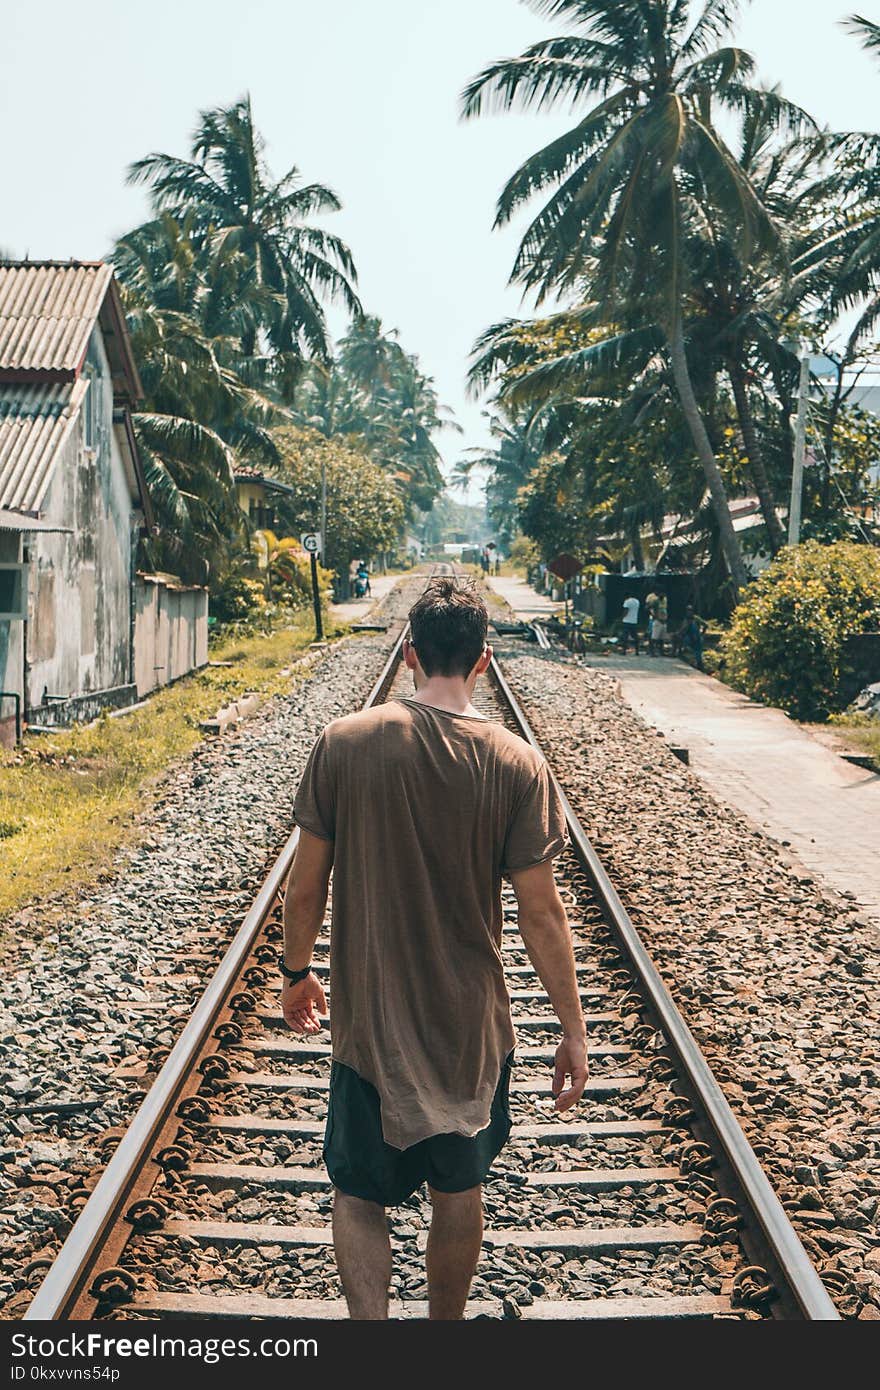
(448, 628)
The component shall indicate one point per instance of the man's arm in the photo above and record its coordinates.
(544, 928)
(305, 903)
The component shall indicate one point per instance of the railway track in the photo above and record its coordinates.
(648, 1203)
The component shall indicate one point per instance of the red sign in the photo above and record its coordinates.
(565, 567)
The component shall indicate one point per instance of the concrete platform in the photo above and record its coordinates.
(764, 764)
(357, 610)
(523, 599)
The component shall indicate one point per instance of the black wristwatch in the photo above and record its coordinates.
(294, 976)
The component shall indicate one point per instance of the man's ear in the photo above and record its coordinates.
(485, 661)
(410, 659)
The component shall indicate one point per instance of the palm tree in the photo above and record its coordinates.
(517, 444)
(394, 407)
(273, 268)
(627, 176)
(846, 261)
(199, 417)
(747, 311)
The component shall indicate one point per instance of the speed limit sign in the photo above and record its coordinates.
(311, 542)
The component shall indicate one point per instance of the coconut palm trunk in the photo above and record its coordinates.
(702, 444)
(775, 534)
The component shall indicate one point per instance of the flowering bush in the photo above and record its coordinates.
(785, 641)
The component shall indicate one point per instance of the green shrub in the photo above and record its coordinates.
(524, 553)
(237, 598)
(784, 643)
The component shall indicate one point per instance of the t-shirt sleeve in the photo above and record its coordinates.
(314, 807)
(537, 829)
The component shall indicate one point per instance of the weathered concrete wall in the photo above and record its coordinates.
(79, 629)
(171, 632)
(11, 639)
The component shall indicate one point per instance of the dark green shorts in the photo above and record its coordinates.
(361, 1164)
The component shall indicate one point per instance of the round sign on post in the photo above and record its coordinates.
(311, 544)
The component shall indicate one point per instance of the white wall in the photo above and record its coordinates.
(171, 632)
(79, 604)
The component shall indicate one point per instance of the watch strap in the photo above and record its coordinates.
(294, 976)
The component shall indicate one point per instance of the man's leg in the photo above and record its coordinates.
(363, 1255)
(454, 1242)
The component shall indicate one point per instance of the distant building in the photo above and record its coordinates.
(257, 495)
(73, 503)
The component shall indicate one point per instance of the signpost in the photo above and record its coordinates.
(565, 567)
(311, 544)
(800, 448)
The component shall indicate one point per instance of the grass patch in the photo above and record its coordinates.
(861, 733)
(69, 800)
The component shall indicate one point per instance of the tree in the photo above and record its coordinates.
(364, 510)
(627, 175)
(510, 463)
(376, 392)
(271, 268)
(744, 311)
(604, 409)
(198, 417)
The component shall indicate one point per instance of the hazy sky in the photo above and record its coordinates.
(361, 94)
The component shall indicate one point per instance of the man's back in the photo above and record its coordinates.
(427, 809)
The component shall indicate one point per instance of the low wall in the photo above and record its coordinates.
(60, 714)
(171, 631)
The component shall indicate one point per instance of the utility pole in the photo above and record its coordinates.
(800, 449)
(323, 512)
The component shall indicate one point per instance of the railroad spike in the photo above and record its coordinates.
(174, 1158)
(214, 1067)
(194, 1110)
(244, 1002)
(113, 1285)
(149, 1214)
(752, 1288)
(696, 1157)
(722, 1219)
(228, 1033)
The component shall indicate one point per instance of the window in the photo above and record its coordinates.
(13, 591)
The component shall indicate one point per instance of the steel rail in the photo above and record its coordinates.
(801, 1276)
(66, 1279)
(104, 1207)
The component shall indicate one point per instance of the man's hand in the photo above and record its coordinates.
(571, 1061)
(301, 1002)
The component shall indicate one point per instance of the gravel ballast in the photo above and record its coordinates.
(777, 977)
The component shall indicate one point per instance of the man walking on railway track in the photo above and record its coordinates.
(420, 806)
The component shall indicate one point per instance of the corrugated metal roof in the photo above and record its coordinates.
(47, 312)
(34, 422)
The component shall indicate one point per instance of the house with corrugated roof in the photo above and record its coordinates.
(73, 500)
(256, 493)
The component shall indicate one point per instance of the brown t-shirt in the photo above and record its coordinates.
(427, 810)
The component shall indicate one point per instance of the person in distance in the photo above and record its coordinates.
(420, 806)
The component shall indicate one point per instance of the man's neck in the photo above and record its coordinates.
(450, 693)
